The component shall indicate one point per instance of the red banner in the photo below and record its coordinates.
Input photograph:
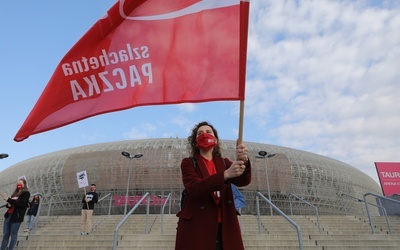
(147, 53)
(133, 200)
(389, 177)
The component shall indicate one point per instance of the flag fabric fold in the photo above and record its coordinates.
(147, 53)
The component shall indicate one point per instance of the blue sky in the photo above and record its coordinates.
(322, 76)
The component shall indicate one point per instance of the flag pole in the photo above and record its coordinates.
(244, 30)
(241, 118)
(87, 204)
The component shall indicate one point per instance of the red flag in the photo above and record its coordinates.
(147, 53)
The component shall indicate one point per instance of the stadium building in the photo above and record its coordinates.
(325, 183)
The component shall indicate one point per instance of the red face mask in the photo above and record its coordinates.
(206, 141)
(19, 186)
(92, 189)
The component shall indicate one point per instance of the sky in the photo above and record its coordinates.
(322, 76)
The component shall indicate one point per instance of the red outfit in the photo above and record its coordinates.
(211, 170)
(198, 220)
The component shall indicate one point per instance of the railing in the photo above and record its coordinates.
(378, 206)
(162, 213)
(356, 198)
(50, 203)
(281, 213)
(102, 198)
(369, 215)
(129, 214)
(306, 202)
(109, 206)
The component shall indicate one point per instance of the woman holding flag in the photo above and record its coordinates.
(208, 219)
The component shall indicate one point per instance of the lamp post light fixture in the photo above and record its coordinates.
(128, 155)
(264, 155)
(2, 156)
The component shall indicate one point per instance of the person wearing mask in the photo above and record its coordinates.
(33, 207)
(16, 206)
(88, 201)
(208, 218)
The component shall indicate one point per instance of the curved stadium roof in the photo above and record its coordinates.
(319, 180)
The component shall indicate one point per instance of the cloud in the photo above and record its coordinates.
(323, 77)
(143, 131)
(187, 107)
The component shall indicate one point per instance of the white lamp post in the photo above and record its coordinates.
(264, 155)
(128, 155)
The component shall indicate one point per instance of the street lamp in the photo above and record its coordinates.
(2, 156)
(128, 155)
(264, 155)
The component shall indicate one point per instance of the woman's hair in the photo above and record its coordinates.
(19, 192)
(193, 150)
(38, 198)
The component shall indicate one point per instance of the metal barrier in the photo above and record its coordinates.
(379, 206)
(162, 213)
(306, 202)
(368, 213)
(102, 198)
(129, 214)
(356, 198)
(281, 213)
(109, 206)
(51, 201)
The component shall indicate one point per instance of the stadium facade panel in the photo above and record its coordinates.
(325, 183)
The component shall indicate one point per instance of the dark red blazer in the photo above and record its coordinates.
(198, 220)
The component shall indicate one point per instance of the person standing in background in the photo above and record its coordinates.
(33, 207)
(88, 201)
(14, 216)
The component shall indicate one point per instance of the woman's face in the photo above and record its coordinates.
(205, 129)
(20, 183)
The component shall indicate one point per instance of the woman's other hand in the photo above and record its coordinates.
(236, 169)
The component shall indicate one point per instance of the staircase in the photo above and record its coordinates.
(337, 232)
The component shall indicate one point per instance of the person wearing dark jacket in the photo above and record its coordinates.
(33, 207)
(14, 216)
(88, 201)
(208, 218)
